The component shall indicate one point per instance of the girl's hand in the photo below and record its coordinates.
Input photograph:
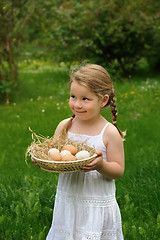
(35, 162)
(95, 164)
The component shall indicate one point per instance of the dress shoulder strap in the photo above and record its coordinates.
(104, 128)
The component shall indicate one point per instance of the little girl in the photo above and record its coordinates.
(85, 204)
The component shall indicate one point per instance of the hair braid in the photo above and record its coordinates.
(64, 131)
(114, 110)
(115, 114)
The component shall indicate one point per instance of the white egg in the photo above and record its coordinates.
(65, 152)
(82, 154)
(53, 150)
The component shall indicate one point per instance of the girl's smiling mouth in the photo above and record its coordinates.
(80, 112)
(77, 111)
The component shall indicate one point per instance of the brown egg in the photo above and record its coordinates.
(68, 157)
(70, 148)
(54, 154)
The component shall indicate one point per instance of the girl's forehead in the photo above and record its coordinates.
(82, 90)
(79, 90)
(75, 86)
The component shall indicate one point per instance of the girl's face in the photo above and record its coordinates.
(84, 103)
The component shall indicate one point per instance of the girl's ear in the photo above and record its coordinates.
(105, 100)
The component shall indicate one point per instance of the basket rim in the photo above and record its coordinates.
(66, 162)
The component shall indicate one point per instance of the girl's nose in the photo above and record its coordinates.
(78, 104)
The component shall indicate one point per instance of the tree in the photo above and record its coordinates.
(14, 14)
(113, 33)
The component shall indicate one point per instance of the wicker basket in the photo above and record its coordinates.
(40, 146)
(62, 166)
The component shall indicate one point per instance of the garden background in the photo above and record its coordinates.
(40, 41)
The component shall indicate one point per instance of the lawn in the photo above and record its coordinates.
(41, 102)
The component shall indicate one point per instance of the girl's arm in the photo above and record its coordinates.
(114, 167)
(60, 127)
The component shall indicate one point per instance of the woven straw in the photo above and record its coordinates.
(39, 151)
(62, 166)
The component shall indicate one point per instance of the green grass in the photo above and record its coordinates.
(41, 102)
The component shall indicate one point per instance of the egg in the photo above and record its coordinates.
(82, 154)
(65, 152)
(53, 150)
(55, 154)
(70, 148)
(68, 157)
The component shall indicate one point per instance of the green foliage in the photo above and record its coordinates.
(13, 18)
(27, 193)
(23, 209)
(113, 33)
(116, 34)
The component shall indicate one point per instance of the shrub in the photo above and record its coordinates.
(112, 33)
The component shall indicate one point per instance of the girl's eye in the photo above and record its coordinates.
(85, 99)
(72, 96)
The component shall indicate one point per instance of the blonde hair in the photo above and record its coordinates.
(98, 80)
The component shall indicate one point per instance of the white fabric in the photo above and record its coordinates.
(85, 205)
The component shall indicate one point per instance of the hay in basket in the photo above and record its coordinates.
(40, 146)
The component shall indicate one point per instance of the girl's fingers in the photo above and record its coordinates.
(99, 153)
(92, 165)
(89, 166)
(34, 162)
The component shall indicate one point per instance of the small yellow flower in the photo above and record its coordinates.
(132, 92)
(125, 95)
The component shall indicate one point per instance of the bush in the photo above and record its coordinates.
(112, 33)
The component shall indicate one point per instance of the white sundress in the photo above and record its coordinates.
(85, 204)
